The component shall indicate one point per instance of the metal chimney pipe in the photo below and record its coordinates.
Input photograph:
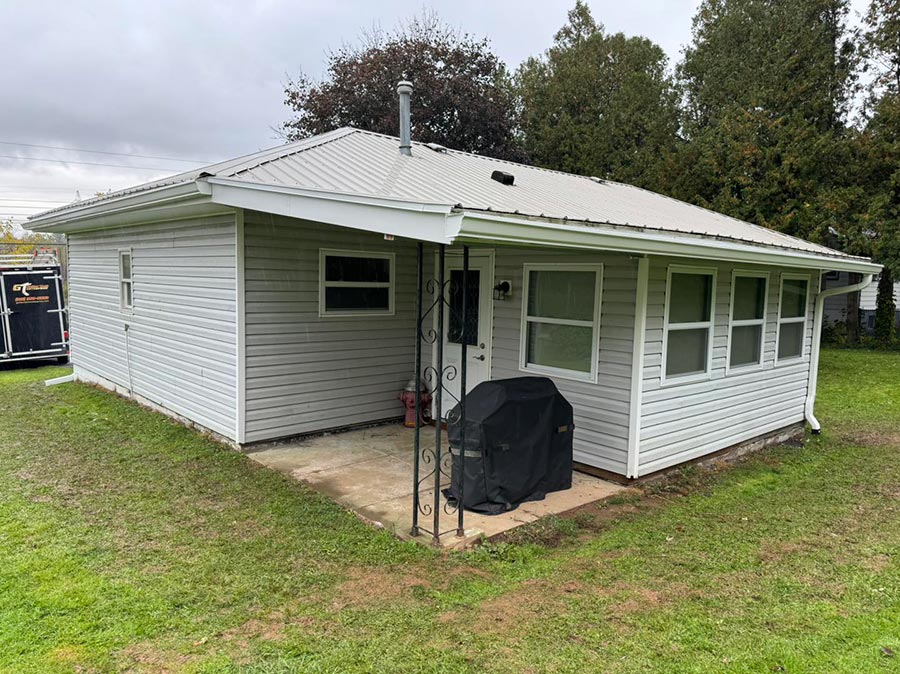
(404, 89)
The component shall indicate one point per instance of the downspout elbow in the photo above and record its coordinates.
(808, 408)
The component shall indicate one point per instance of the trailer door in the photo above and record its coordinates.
(33, 312)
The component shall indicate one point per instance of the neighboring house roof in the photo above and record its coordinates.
(366, 165)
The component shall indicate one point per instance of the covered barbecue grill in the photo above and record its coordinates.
(518, 444)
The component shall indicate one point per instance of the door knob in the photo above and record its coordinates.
(481, 357)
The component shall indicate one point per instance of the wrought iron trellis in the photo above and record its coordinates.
(439, 464)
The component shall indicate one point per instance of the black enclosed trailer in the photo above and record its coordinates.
(32, 308)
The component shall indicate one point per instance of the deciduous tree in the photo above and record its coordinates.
(462, 96)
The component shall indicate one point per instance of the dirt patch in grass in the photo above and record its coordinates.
(148, 658)
(371, 586)
(775, 551)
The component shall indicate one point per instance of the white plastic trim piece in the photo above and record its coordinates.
(637, 367)
(816, 337)
(60, 380)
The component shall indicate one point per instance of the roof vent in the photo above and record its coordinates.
(404, 90)
(503, 177)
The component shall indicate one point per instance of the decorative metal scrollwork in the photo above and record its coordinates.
(437, 463)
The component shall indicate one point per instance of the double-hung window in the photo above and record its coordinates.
(688, 326)
(561, 320)
(747, 320)
(353, 283)
(126, 281)
(792, 316)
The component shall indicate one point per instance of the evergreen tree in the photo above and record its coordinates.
(599, 104)
(767, 85)
(881, 47)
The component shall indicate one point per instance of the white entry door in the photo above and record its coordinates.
(477, 331)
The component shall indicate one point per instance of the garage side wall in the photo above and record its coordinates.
(684, 421)
(305, 373)
(179, 351)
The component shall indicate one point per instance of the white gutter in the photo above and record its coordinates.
(482, 226)
(816, 339)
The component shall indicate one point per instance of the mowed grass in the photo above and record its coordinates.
(129, 543)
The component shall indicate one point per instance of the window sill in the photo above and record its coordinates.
(354, 314)
(743, 369)
(678, 380)
(571, 375)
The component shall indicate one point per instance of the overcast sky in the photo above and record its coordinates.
(202, 79)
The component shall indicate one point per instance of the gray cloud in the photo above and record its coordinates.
(203, 79)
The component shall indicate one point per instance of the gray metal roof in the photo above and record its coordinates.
(363, 163)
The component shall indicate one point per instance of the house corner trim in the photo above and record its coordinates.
(637, 366)
(240, 329)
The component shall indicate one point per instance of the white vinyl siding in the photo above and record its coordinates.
(307, 373)
(560, 320)
(601, 409)
(181, 338)
(684, 422)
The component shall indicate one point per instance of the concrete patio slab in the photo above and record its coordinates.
(370, 471)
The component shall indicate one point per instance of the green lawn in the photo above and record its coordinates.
(130, 543)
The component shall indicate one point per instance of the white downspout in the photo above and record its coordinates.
(817, 338)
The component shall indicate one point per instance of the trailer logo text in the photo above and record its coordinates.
(27, 288)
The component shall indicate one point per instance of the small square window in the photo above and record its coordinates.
(355, 283)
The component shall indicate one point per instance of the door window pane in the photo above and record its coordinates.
(567, 347)
(686, 351)
(790, 339)
(562, 294)
(690, 298)
(749, 298)
(746, 341)
(793, 298)
(455, 331)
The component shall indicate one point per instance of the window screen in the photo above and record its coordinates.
(126, 281)
(792, 317)
(748, 319)
(560, 319)
(356, 283)
(689, 324)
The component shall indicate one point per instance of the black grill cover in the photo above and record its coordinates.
(518, 444)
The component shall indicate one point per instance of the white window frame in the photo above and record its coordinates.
(708, 324)
(594, 324)
(732, 323)
(366, 254)
(126, 282)
(799, 319)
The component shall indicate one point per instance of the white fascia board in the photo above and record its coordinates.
(506, 229)
(151, 205)
(412, 220)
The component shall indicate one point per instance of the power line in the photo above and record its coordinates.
(117, 154)
(87, 163)
(34, 201)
